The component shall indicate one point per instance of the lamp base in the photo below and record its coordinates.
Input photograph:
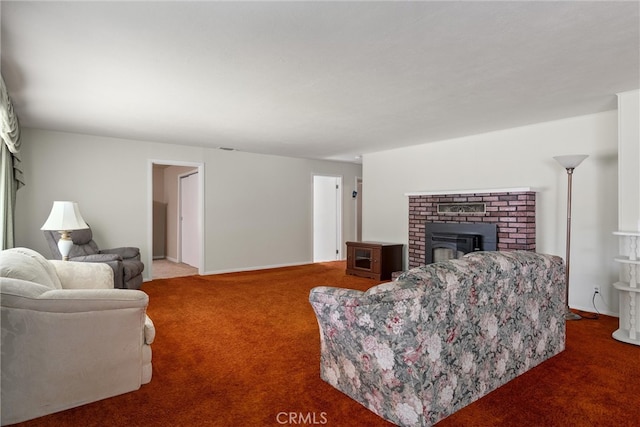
(570, 315)
(65, 244)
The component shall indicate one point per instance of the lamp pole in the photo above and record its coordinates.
(568, 314)
(569, 162)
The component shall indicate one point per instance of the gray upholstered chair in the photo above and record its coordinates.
(125, 261)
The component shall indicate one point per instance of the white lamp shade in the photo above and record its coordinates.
(64, 216)
(571, 161)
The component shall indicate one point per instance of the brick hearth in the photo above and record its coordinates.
(512, 211)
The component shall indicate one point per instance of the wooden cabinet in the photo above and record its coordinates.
(374, 260)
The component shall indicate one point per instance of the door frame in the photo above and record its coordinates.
(201, 216)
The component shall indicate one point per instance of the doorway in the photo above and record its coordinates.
(166, 238)
(327, 218)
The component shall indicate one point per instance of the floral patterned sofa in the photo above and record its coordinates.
(443, 335)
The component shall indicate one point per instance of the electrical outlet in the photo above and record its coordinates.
(596, 289)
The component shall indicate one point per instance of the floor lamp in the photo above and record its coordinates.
(569, 163)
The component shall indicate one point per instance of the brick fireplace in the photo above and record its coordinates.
(512, 210)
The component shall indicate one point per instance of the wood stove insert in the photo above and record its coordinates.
(445, 241)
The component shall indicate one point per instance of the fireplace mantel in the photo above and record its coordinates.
(479, 191)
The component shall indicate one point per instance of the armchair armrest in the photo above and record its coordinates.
(149, 331)
(101, 257)
(84, 275)
(78, 300)
(125, 252)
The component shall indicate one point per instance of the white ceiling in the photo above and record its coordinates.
(326, 80)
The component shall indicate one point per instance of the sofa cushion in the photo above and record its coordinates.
(27, 264)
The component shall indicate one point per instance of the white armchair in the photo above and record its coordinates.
(68, 337)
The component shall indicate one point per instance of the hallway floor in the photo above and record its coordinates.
(164, 269)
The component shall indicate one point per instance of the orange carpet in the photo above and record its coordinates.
(242, 349)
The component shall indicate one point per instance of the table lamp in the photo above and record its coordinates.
(64, 218)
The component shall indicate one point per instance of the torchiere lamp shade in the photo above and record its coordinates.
(571, 161)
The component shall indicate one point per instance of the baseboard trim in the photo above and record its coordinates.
(263, 267)
(593, 310)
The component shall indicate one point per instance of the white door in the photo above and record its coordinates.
(327, 215)
(189, 253)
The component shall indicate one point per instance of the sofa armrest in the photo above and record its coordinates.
(385, 293)
(84, 275)
(335, 296)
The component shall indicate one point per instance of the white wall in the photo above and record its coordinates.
(628, 174)
(629, 162)
(519, 157)
(258, 208)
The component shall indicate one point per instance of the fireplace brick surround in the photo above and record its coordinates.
(513, 212)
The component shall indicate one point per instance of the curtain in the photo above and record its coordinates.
(11, 178)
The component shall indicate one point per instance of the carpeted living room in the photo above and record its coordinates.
(244, 349)
(320, 213)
